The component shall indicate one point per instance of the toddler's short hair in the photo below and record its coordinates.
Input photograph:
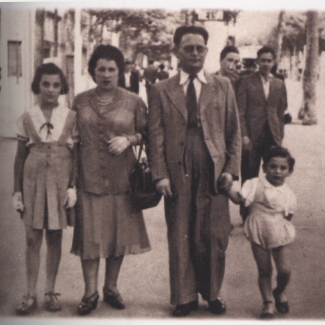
(278, 151)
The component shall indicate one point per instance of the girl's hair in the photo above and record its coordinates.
(51, 69)
(110, 53)
(278, 151)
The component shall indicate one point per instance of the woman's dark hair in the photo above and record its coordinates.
(110, 53)
(51, 69)
(278, 151)
(183, 30)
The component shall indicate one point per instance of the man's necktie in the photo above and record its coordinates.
(191, 104)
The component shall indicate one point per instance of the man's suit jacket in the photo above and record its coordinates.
(134, 82)
(168, 124)
(255, 109)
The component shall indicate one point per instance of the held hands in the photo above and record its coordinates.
(71, 198)
(117, 145)
(246, 143)
(163, 187)
(225, 182)
(17, 202)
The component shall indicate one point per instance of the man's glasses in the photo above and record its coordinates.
(191, 48)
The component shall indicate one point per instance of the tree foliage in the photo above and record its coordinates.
(147, 32)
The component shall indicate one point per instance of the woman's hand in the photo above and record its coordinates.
(117, 145)
(71, 198)
(17, 202)
(164, 188)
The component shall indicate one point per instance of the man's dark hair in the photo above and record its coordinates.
(150, 61)
(278, 151)
(110, 53)
(183, 30)
(51, 69)
(228, 49)
(266, 49)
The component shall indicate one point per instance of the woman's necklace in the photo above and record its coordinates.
(103, 102)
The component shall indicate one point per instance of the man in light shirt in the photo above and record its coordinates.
(262, 101)
(194, 147)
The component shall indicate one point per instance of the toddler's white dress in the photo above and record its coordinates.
(268, 205)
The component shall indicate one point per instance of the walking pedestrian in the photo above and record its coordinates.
(194, 143)
(262, 101)
(44, 180)
(271, 206)
(111, 120)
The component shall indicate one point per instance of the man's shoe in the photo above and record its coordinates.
(185, 309)
(217, 306)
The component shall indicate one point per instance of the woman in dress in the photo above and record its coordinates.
(111, 120)
(44, 179)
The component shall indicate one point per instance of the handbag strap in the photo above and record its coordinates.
(140, 151)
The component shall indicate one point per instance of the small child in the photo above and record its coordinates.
(271, 206)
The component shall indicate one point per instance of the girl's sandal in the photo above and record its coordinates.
(267, 311)
(281, 306)
(28, 305)
(52, 302)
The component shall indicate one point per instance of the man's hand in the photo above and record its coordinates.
(17, 202)
(246, 143)
(163, 187)
(225, 182)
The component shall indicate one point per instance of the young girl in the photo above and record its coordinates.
(44, 179)
(271, 206)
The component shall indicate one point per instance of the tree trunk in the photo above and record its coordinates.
(308, 110)
(280, 35)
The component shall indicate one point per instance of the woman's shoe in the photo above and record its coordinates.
(28, 304)
(113, 298)
(281, 306)
(267, 311)
(52, 302)
(87, 304)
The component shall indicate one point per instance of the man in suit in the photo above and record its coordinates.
(131, 78)
(150, 76)
(262, 101)
(194, 146)
(229, 62)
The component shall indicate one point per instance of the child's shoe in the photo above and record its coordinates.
(281, 306)
(267, 311)
(52, 302)
(28, 304)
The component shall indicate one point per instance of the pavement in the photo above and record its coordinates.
(144, 279)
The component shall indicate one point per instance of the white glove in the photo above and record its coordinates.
(71, 198)
(17, 202)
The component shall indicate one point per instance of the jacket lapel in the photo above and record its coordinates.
(176, 94)
(208, 92)
(259, 85)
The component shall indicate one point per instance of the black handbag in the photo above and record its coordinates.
(144, 192)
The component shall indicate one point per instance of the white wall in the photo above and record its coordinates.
(15, 95)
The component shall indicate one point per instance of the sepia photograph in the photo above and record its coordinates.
(162, 162)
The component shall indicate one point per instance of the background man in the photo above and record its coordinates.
(229, 62)
(262, 101)
(131, 78)
(150, 76)
(194, 145)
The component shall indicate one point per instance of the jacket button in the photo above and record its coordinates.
(180, 163)
(181, 143)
